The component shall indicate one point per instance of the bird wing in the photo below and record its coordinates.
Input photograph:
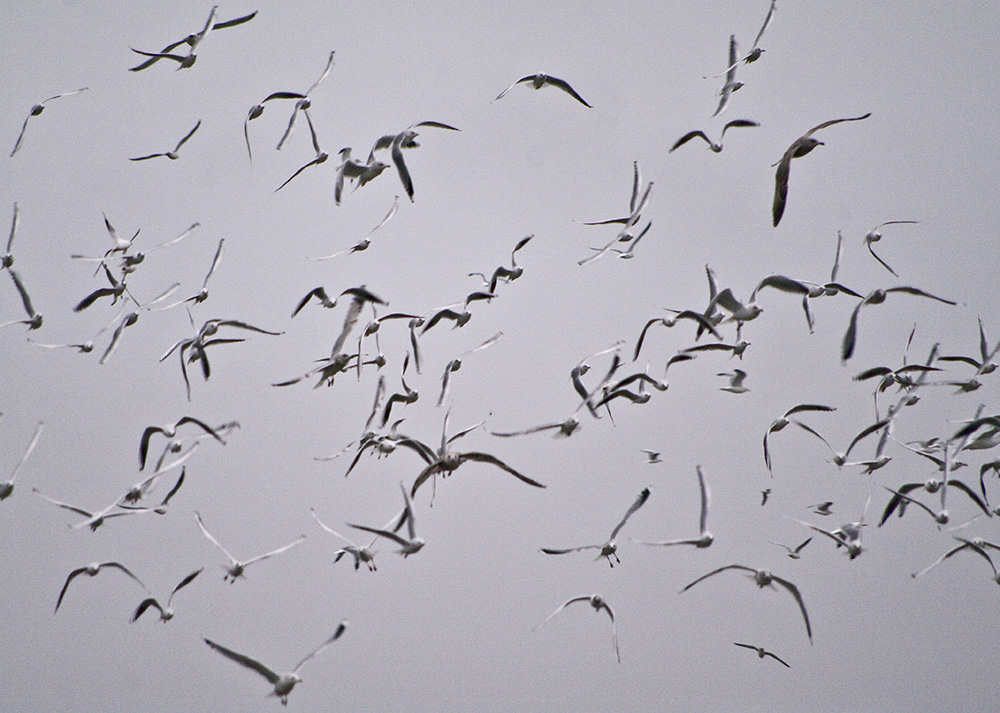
(756, 42)
(187, 136)
(582, 598)
(832, 122)
(340, 627)
(31, 447)
(781, 183)
(234, 22)
(183, 583)
(920, 293)
(553, 551)
(687, 137)
(882, 262)
(639, 502)
(70, 578)
(529, 78)
(246, 661)
(211, 539)
(716, 571)
(275, 552)
(382, 533)
(794, 591)
(487, 458)
(768, 653)
(143, 606)
(705, 495)
(564, 85)
(851, 335)
(326, 71)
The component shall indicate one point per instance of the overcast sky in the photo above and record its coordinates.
(452, 627)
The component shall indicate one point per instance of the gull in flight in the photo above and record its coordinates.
(596, 601)
(365, 242)
(406, 139)
(360, 554)
(800, 147)
(976, 544)
(172, 155)
(192, 40)
(761, 652)
(235, 569)
(353, 169)
(456, 364)
(95, 519)
(763, 578)
(321, 156)
(848, 535)
(446, 461)
(779, 423)
(610, 547)
(731, 84)
(538, 81)
(283, 682)
(166, 613)
(794, 552)
(410, 545)
(7, 488)
(92, 569)
(35, 111)
(756, 51)
(652, 456)
(877, 297)
(736, 377)
(170, 431)
(305, 102)
(705, 538)
(873, 236)
(663, 321)
(714, 147)
(34, 320)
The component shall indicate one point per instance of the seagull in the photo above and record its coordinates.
(625, 234)
(410, 545)
(202, 294)
(193, 40)
(235, 569)
(172, 155)
(456, 364)
(360, 554)
(823, 508)
(184, 61)
(284, 682)
(700, 319)
(596, 601)
(800, 147)
(705, 538)
(976, 544)
(166, 613)
(763, 578)
(756, 51)
(610, 547)
(34, 320)
(405, 139)
(94, 519)
(305, 102)
(513, 272)
(446, 461)
(761, 653)
(35, 111)
(365, 242)
(354, 169)
(736, 377)
(731, 84)
(796, 552)
(873, 236)
(779, 423)
(652, 456)
(738, 312)
(848, 536)
(876, 297)
(7, 488)
(257, 109)
(941, 517)
(538, 81)
(714, 147)
(92, 569)
(321, 156)
(170, 431)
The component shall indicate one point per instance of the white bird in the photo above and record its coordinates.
(736, 377)
(172, 155)
(321, 156)
(876, 297)
(35, 111)
(93, 519)
(92, 569)
(873, 236)
(705, 539)
(170, 431)
(762, 578)
(976, 544)
(596, 601)
(652, 456)
(304, 103)
(405, 139)
(794, 552)
(283, 682)
(779, 423)
(34, 320)
(353, 169)
(192, 40)
(538, 81)
(756, 51)
(410, 545)
(7, 488)
(166, 613)
(236, 567)
(800, 147)
(714, 147)
(610, 547)
(731, 84)
(360, 554)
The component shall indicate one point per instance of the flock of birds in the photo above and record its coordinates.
(723, 319)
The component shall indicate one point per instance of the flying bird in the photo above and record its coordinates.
(170, 431)
(538, 81)
(406, 139)
(360, 554)
(192, 41)
(305, 102)
(714, 147)
(610, 547)
(410, 545)
(873, 236)
(92, 569)
(761, 652)
(34, 320)
(172, 155)
(596, 601)
(35, 111)
(800, 147)
(731, 84)
(705, 537)
(779, 423)
(321, 156)
(166, 613)
(877, 297)
(235, 569)
(756, 51)
(7, 488)
(763, 578)
(283, 682)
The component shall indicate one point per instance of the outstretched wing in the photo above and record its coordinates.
(246, 661)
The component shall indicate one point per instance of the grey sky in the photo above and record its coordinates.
(451, 627)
